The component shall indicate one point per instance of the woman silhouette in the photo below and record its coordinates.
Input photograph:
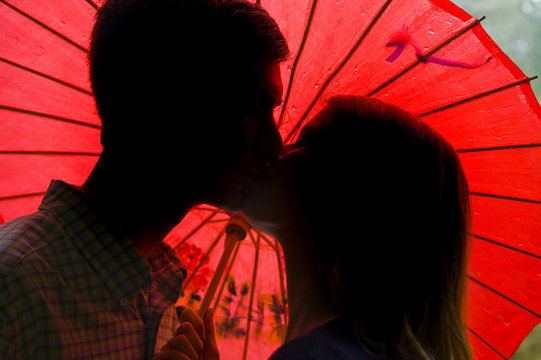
(371, 207)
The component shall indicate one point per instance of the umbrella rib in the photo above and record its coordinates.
(281, 275)
(48, 28)
(207, 254)
(52, 117)
(478, 96)
(504, 297)
(507, 246)
(21, 196)
(503, 147)
(296, 61)
(48, 77)
(265, 238)
(510, 198)
(209, 208)
(273, 243)
(93, 4)
(201, 224)
(252, 292)
(268, 242)
(486, 343)
(217, 221)
(338, 69)
(48, 153)
(424, 58)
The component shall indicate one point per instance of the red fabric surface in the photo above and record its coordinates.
(46, 107)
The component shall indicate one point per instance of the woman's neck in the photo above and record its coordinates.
(310, 302)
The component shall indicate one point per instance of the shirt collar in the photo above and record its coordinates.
(110, 253)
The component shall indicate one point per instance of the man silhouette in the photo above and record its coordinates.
(186, 91)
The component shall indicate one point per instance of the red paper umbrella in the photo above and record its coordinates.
(427, 56)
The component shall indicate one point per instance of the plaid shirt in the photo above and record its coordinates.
(71, 289)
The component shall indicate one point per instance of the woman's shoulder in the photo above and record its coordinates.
(330, 341)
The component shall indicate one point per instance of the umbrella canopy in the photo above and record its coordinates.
(427, 56)
(250, 304)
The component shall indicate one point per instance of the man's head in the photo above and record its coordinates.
(176, 84)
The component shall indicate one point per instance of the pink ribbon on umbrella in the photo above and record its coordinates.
(403, 38)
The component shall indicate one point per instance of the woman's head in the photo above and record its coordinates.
(387, 205)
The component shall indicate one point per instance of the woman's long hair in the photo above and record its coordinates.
(398, 259)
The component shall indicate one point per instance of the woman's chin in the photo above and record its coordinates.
(257, 205)
(268, 206)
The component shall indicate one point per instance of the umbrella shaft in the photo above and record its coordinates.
(230, 242)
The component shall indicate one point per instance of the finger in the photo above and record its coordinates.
(187, 329)
(209, 327)
(191, 316)
(183, 345)
(211, 348)
(170, 354)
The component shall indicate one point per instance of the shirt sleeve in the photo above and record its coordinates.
(9, 324)
(25, 329)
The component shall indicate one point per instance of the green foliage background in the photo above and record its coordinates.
(515, 25)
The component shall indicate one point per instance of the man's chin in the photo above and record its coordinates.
(231, 201)
(231, 195)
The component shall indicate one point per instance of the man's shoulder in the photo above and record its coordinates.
(22, 237)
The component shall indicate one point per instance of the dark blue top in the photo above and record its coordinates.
(331, 341)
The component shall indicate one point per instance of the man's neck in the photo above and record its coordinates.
(122, 204)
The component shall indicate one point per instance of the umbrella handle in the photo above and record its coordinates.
(236, 230)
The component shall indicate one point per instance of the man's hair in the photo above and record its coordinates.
(156, 59)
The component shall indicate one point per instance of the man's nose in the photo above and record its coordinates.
(271, 143)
